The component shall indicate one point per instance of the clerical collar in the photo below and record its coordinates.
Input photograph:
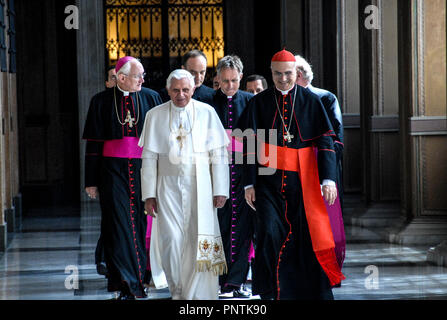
(228, 97)
(285, 92)
(125, 93)
(179, 109)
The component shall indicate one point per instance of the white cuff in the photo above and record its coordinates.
(328, 182)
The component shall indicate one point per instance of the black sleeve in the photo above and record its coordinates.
(326, 158)
(249, 166)
(94, 128)
(247, 121)
(336, 119)
(93, 158)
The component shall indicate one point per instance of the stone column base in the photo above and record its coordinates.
(3, 237)
(10, 219)
(17, 202)
(421, 231)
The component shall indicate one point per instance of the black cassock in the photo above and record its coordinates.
(285, 265)
(123, 224)
(236, 217)
(203, 93)
(333, 110)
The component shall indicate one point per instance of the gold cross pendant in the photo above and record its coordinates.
(180, 141)
(181, 135)
(129, 119)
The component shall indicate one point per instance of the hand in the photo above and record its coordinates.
(250, 197)
(150, 207)
(92, 192)
(219, 201)
(329, 194)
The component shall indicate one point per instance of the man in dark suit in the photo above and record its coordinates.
(195, 62)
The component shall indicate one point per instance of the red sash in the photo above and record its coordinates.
(304, 162)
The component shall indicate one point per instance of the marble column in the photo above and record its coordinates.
(91, 64)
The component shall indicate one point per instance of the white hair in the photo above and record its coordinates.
(304, 67)
(180, 74)
(125, 69)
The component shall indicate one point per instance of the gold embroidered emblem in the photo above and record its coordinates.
(204, 247)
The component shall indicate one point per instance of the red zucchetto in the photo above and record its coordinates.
(283, 56)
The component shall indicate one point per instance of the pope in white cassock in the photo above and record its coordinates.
(184, 180)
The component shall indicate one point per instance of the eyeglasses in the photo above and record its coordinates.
(137, 76)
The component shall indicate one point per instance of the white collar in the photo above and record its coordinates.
(284, 92)
(180, 109)
(125, 93)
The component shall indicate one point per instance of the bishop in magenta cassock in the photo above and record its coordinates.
(112, 170)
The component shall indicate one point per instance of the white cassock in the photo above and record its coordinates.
(185, 164)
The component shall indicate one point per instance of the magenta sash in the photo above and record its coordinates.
(126, 147)
(337, 226)
(234, 146)
(338, 229)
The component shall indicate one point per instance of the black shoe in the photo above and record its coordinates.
(102, 269)
(267, 296)
(124, 296)
(241, 294)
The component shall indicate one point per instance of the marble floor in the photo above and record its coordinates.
(53, 259)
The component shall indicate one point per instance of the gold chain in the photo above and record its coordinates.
(189, 120)
(291, 117)
(116, 107)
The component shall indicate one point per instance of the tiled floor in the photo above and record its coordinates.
(43, 260)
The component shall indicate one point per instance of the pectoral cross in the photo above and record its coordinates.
(129, 119)
(288, 137)
(182, 135)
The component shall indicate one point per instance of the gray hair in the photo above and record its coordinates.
(304, 67)
(232, 62)
(180, 74)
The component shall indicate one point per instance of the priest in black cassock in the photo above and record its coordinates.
(333, 110)
(235, 218)
(295, 256)
(195, 62)
(112, 171)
